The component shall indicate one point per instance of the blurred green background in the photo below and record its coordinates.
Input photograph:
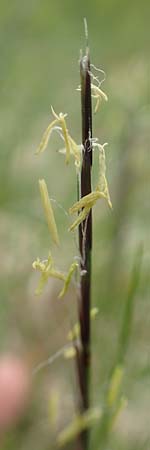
(40, 47)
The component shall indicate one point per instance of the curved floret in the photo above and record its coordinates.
(61, 122)
(59, 125)
(102, 180)
(48, 270)
(75, 150)
(74, 266)
(98, 94)
(46, 136)
(87, 202)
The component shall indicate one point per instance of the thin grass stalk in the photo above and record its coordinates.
(85, 243)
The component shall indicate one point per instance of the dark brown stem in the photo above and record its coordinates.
(85, 241)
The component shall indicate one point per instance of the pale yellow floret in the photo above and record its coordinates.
(38, 265)
(74, 333)
(75, 150)
(87, 202)
(98, 94)
(81, 217)
(102, 185)
(66, 136)
(48, 270)
(46, 136)
(48, 211)
(59, 120)
(70, 352)
(71, 271)
(94, 311)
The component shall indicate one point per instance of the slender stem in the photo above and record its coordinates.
(85, 241)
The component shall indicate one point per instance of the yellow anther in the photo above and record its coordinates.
(75, 150)
(87, 202)
(46, 136)
(70, 352)
(48, 211)
(71, 271)
(58, 121)
(102, 185)
(48, 270)
(98, 94)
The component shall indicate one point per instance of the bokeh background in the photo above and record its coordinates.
(40, 47)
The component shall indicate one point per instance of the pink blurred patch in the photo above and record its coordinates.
(15, 384)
